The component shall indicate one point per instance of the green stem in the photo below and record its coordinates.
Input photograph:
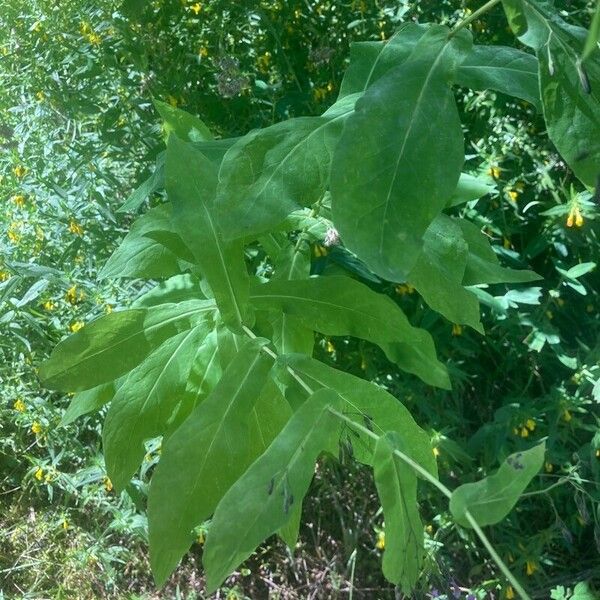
(473, 16)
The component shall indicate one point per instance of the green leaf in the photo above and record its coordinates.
(260, 502)
(593, 38)
(185, 126)
(482, 263)
(580, 270)
(155, 182)
(469, 188)
(397, 489)
(506, 70)
(367, 404)
(399, 158)
(175, 289)
(271, 172)
(88, 401)
(438, 274)
(143, 405)
(140, 255)
(343, 306)
(203, 458)
(191, 186)
(569, 89)
(492, 498)
(114, 344)
(369, 61)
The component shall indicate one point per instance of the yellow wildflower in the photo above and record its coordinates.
(404, 288)
(436, 451)
(73, 296)
(201, 538)
(37, 26)
(506, 243)
(429, 529)
(108, 309)
(20, 171)
(94, 39)
(530, 424)
(172, 101)
(19, 405)
(203, 52)
(329, 347)
(567, 416)
(4, 276)
(39, 473)
(515, 431)
(380, 543)
(108, 486)
(575, 217)
(597, 453)
(509, 593)
(36, 428)
(456, 329)
(13, 233)
(494, 172)
(196, 8)
(524, 432)
(19, 200)
(65, 524)
(76, 326)
(85, 28)
(548, 467)
(531, 567)
(40, 96)
(320, 251)
(319, 94)
(75, 227)
(513, 195)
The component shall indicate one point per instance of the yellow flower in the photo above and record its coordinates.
(567, 416)
(85, 28)
(201, 538)
(320, 93)
(320, 251)
(494, 172)
(76, 326)
(94, 39)
(436, 451)
(108, 486)
(597, 453)
(524, 432)
(506, 243)
(19, 405)
(380, 543)
(73, 296)
(404, 288)
(40, 96)
(13, 232)
(457, 329)
(549, 467)
(509, 593)
(20, 171)
(575, 217)
(429, 529)
(513, 195)
(203, 52)
(36, 428)
(4, 276)
(19, 200)
(530, 424)
(108, 309)
(75, 227)
(65, 524)
(196, 8)
(39, 474)
(172, 101)
(329, 347)
(531, 567)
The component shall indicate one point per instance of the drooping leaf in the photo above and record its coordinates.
(143, 405)
(175, 289)
(469, 188)
(504, 69)
(203, 458)
(155, 182)
(483, 265)
(185, 126)
(367, 404)
(438, 274)
(260, 502)
(114, 344)
(88, 401)
(343, 306)
(191, 187)
(492, 498)
(569, 89)
(397, 489)
(369, 61)
(140, 255)
(400, 156)
(271, 172)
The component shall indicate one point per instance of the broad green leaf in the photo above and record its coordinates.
(503, 69)
(203, 458)
(175, 289)
(369, 61)
(580, 270)
(185, 126)
(367, 404)
(438, 274)
(399, 158)
(569, 89)
(191, 186)
(260, 502)
(397, 489)
(142, 256)
(482, 263)
(143, 405)
(215, 150)
(88, 401)
(155, 182)
(492, 498)
(271, 172)
(343, 306)
(592, 43)
(469, 188)
(114, 344)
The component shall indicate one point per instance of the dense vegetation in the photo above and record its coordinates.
(90, 96)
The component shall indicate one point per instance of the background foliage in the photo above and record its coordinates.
(78, 132)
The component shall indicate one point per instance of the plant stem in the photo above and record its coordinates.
(473, 16)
